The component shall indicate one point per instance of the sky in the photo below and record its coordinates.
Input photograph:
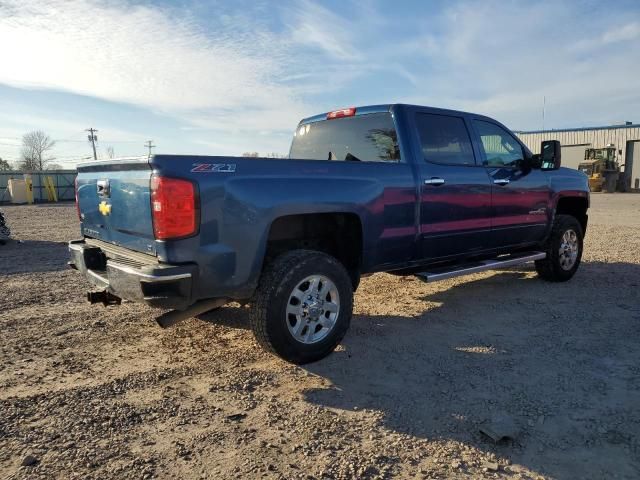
(227, 77)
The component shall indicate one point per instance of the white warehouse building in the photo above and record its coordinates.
(625, 138)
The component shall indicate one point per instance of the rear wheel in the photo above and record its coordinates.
(303, 306)
(564, 250)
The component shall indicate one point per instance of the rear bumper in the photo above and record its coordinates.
(158, 285)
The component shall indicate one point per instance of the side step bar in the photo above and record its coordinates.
(480, 266)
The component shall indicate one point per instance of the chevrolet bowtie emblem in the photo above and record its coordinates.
(105, 208)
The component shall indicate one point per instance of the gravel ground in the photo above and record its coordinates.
(89, 392)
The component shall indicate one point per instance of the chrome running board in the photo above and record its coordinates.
(480, 266)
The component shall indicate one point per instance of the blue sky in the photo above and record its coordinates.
(225, 77)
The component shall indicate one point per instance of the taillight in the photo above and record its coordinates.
(345, 112)
(77, 199)
(173, 208)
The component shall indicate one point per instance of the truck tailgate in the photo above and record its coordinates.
(114, 203)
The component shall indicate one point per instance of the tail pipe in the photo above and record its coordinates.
(174, 316)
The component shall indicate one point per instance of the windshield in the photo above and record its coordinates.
(367, 138)
(600, 154)
(586, 169)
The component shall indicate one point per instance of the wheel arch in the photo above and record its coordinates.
(576, 207)
(339, 234)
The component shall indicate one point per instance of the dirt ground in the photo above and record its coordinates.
(90, 392)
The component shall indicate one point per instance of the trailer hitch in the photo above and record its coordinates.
(103, 297)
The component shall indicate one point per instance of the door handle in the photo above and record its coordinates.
(501, 181)
(434, 181)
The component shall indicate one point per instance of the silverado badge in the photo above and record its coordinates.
(105, 208)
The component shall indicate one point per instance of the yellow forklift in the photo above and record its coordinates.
(602, 168)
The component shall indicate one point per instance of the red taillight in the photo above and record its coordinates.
(77, 199)
(345, 112)
(173, 208)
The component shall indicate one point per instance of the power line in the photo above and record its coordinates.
(103, 141)
(68, 139)
(93, 139)
(68, 156)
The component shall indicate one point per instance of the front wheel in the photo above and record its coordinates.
(303, 306)
(564, 250)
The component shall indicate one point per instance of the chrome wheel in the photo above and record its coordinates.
(568, 252)
(312, 309)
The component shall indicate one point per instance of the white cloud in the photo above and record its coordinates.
(501, 59)
(237, 78)
(143, 55)
(233, 78)
(625, 33)
(613, 35)
(315, 26)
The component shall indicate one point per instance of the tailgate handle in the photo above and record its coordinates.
(103, 187)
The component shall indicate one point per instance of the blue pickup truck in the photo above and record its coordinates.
(403, 189)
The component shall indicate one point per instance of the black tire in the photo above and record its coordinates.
(5, 233)
(550, 268)
(269, 312)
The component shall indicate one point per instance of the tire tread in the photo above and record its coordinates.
(548, 268)
(274, 275)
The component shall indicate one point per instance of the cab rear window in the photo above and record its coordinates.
(361, 138)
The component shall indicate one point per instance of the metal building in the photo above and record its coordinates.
(574, 141)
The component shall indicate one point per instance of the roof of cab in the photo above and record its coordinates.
(359, 111)
(366, 109)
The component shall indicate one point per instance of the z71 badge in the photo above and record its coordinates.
(214, 167)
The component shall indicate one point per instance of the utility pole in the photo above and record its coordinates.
(149, 144)
(93, 139)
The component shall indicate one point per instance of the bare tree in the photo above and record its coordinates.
(111, 153)
(251, 154)
(35, 146)
(54, 166)
(4, 165)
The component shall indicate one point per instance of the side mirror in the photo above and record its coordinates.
(550, 155)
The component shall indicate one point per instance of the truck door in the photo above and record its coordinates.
(520, 197)
(455, 201)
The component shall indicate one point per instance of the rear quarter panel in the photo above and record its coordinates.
(239, 203)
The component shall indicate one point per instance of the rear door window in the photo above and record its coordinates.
(444, 139)
(362, 138)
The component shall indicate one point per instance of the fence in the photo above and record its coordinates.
(63, 180)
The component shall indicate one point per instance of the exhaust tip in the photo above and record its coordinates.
(172, 317)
